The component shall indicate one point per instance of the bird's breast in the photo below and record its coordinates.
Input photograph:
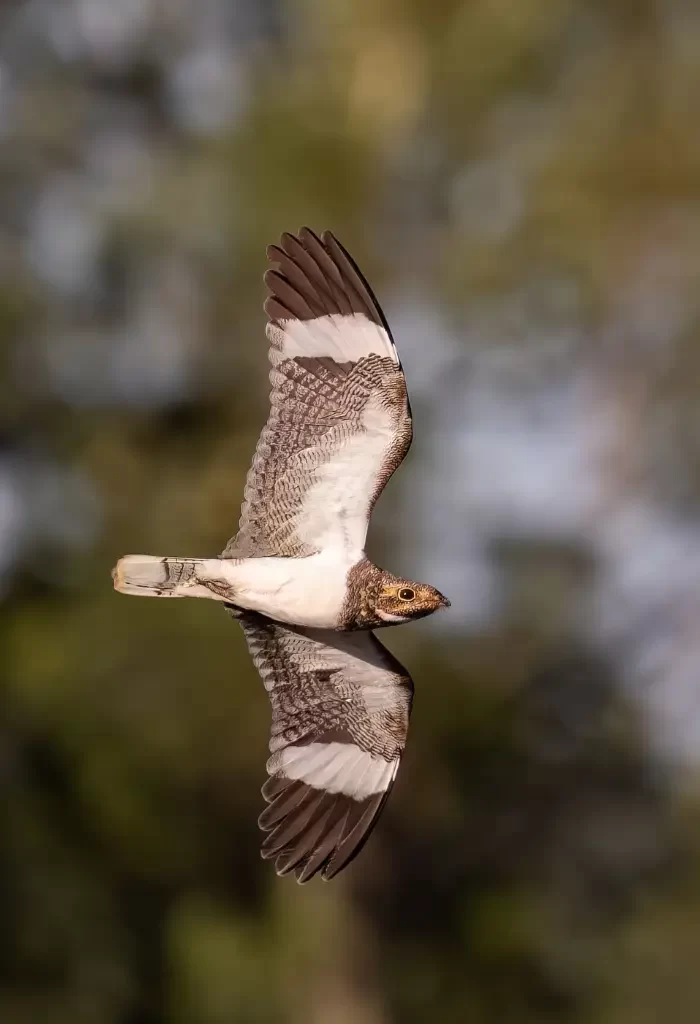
(302, 591)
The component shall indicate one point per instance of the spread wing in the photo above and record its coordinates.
(340, 711)
(340, 420)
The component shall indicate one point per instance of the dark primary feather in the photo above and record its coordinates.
(316, 278)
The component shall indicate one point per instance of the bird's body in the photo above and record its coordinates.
(307, 591)
(328, 590)
(296, 575)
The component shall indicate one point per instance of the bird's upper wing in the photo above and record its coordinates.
(340, 711)
(340, 420)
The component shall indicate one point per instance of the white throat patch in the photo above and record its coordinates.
(391, 617)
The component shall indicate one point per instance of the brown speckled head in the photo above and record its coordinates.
(378, 598)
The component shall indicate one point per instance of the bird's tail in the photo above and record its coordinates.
(151, 576)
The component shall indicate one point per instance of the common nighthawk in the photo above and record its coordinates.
(296, 576)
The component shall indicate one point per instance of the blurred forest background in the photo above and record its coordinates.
(520, 180)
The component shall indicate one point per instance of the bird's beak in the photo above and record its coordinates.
(444, 603)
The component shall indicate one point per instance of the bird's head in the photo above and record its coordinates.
(402, 600)
(378, 598)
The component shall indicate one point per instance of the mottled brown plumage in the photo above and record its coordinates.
(315, 410)
(317, 403)
(329, 688)
(373, 594)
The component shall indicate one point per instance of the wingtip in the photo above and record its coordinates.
(306, 232)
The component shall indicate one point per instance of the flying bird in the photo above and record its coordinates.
(296, 576)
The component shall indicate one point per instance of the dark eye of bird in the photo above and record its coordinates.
(406, 594)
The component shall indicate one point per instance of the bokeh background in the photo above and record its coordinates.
(520, 180)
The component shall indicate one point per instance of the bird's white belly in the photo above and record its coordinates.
(302, 591)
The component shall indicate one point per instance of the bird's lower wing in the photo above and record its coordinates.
(339, 422)
(340, 710)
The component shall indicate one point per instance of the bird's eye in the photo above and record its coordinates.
(406, 594)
